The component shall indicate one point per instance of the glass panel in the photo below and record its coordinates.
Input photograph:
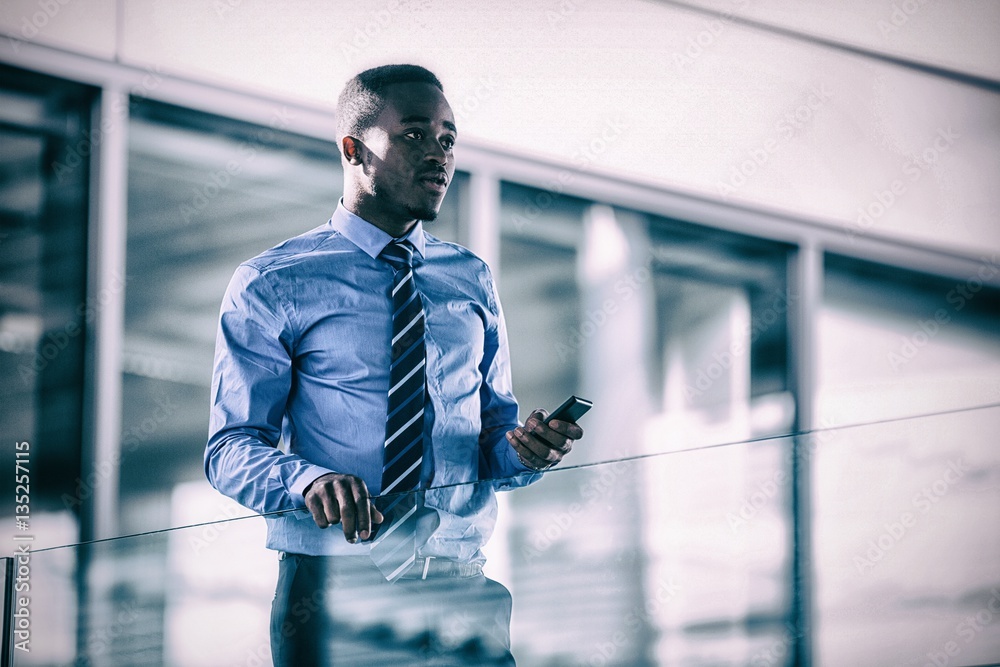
(905, 572)
(537, 282)
(905, 544)
(906, 550)
(679, 335)
(44, 310)
(896, 343)
(205, 194)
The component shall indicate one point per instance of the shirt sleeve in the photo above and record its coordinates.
(250, 385)
(498, 405)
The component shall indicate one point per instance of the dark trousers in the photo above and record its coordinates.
(333, 610)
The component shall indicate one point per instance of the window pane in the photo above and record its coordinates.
(898, 343)
(906, 549)
(679, 336)
(44, 315)
(205, 194)
(44, 311)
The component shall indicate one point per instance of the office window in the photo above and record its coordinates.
(44, 312)
(45, 320)
(905, 510)
(679, 335)
(718, 521)
(204, 194)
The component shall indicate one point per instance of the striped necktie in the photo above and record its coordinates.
(394, 547)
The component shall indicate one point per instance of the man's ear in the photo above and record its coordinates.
(351, 149)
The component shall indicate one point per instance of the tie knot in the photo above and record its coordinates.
(398, 254)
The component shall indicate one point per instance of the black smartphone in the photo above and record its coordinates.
(572, 409)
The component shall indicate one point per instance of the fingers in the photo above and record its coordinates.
(543, 444)
(349, 511)
(556, 434)
(568, 429)
(536, 449)
(355, 509)
(520, 441)
(343, 499)
(320, 503)
(564, 428)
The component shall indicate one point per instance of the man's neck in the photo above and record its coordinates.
(395, 228)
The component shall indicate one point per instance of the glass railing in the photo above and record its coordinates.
(682, 557)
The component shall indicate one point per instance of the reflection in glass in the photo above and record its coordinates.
(679, 336)
(44, 310)
(205, 194)
(907, 553)
(903, 568)
(45, 322)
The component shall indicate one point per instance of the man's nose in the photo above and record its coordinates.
(435, 152)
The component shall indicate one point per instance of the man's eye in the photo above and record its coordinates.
(448, 143)
(415, 134)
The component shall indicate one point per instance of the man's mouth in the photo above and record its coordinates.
(437, 181)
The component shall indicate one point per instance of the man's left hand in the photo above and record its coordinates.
(541, 445)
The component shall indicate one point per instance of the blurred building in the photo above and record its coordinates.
(763, 241)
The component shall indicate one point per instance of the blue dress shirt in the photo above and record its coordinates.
(302, 354)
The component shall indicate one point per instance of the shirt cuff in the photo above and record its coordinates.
(515, 461)
(307, 475)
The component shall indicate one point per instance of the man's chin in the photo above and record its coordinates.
(425, 214)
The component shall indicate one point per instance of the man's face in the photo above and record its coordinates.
(410, 160)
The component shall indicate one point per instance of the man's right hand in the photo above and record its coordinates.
(335, 498)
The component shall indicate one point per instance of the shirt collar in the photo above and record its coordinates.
(367, 236)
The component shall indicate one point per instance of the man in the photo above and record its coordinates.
(379, 354)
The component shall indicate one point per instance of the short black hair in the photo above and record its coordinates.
(362, 99)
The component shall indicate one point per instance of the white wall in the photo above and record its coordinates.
(649, 90)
